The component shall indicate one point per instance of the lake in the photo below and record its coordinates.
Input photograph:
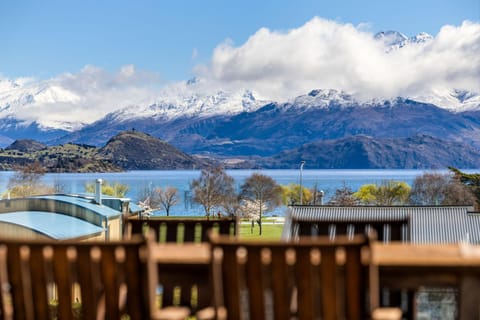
(326, 180)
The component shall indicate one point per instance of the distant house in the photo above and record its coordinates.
(64, 216)
(416, 224)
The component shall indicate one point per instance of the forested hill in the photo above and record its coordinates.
(129, 150)
(135, 150)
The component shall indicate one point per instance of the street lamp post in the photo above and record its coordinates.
(301, 186)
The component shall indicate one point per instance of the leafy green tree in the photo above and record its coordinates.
(388, 193)
(27, 181)
(367, 194)
(115, 190)
(291, 194)
(263, 192)
(212, 189)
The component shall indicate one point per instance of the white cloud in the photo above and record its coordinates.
(276, 65)
(81, 97)
(328, 54)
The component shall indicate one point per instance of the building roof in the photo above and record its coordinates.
(426, 224)
(84, 202)
(54, 225)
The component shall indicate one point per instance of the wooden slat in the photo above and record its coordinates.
(303, 277)
(231, 282)
(109, 281)
(63, 281)
(16, 281)
(39, 283)
(136, 297)
(87, 285)
(5, 307)
(280, 284)
(254, 279)
(329, 288)
(354, 284)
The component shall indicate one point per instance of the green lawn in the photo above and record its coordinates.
(271, 229)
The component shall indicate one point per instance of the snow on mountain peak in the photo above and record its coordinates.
(454, 100)
(421, 38)
(323, 98)
(194, 105)
(393, 40)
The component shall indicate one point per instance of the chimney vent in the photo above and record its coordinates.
(98, 191)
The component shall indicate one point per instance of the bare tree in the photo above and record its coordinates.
(343, 197)
(440, 189)
(212, 189)
(317, 195)
(167, 198)
(27, 181)
(263, 191)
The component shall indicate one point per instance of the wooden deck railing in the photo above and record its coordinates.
(305, 279)
(72, 280)
(181, 229)
(409, 267)
(311, 278)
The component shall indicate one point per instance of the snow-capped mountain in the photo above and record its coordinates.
(454, 100)
(324, 98)
(32, 102)
(194, 105)
(393, 40)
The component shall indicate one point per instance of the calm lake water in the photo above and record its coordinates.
(326, 180)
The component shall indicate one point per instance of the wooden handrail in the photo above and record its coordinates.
(406, 254)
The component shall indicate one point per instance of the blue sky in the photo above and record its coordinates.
(42, 39)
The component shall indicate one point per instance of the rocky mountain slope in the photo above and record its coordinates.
(364, 152)
(129, 150)
(134, 150)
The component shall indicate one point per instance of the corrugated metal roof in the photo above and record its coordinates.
(102, 210)
(359, 213)
(54, 225)
(450, 225)
(433, 224)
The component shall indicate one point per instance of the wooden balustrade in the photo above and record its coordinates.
(310, 278)
(181, 229)
(72, 280)
(409, 267)
(303, 279)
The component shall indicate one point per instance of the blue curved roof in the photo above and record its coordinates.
(54, 225)
(86, 203)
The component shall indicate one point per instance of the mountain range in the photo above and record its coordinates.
(237, 127)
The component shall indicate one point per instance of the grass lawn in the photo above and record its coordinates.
(271, 230)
